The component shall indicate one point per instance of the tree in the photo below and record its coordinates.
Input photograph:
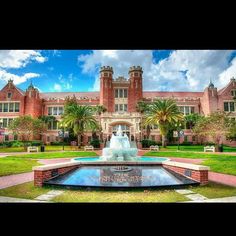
(216, 125)
(27, 127)
(143, 108)
(79, 118)
(191, 120)
(163, 113)
(99, 109)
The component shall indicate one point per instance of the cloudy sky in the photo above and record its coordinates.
(78, 70)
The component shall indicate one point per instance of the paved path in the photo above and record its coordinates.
(222, 178)
(12, 199)
(49, 195)
(186, 160)
(53, 161)
(12, 180)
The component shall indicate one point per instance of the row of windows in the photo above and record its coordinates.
(186, 110)
(5, 122)
(121, 93)
(10, 107)
(53, 125)
(233, 92)
(55, 111)
(121, 107)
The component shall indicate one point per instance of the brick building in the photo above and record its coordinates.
(119, 96)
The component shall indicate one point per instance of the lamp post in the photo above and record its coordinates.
(178, 125)
(63, 134)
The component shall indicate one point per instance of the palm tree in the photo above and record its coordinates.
(46, 120)
(99, 109)
(143, 107)
(80, 119)
(163, 113)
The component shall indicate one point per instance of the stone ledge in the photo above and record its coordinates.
(186, 165)
(56, 166)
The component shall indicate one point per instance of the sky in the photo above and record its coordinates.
(78, 70)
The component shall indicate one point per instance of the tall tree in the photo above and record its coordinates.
(99, 109)
(191, 120)
(80, 118)
(216, 125)
(27, 127)
(163, 113)
(143, 108)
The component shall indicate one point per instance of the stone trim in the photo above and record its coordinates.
(186, 165)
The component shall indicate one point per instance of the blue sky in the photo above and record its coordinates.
(78, 70)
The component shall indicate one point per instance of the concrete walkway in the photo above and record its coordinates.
(12, 199)
(12, 180)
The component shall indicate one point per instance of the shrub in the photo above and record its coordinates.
(17, 144)
(146, 143)
(58, 143)
(95, 143)
(186, 143)
(209, 144)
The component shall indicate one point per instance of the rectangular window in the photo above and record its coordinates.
(125, 107)
(54, 111)
(226, 106)
(125, 93)
(116, 107)
(186, 110)
(9, 95)
(50, 111)
(121, 93)
(116, 93)
(6, 137)
(232, 93)
(121, 107)
(54, 125)
(181, 109)
(11, 106)
(10, 120)
(60, 110)
(0, 107)
(17, 107)
(5, 107)
(192, 109)
(4, 124)
(231, 105)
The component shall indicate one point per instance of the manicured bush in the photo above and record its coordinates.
(209, 144)
(95, 143)
(58, 143)
(146, 143)
(187, 143)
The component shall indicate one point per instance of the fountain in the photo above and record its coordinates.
(119, 149)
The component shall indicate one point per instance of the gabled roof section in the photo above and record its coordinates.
(221, 91)
(63, 95)
(153, 94)
(11, 85)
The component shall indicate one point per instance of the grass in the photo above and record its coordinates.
(48, 148)
(9, 166)
(54, 155)
(221, 163)
(26, 191)
(213, 190)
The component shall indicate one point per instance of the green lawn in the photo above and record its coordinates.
(221, 163)
(48, 148)
(26, 191)
(52, 155)
(213, 190)
(9, 166)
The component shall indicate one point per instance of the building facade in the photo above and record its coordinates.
(120, 97)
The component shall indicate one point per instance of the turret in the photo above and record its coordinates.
(33, 103)
(135, 88)
(106, 88)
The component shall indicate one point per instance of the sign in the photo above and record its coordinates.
(66, 134)
(175, 134)
(181, 133)
(60, 133)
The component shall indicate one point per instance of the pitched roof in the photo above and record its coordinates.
(63, 95)
(153, 94)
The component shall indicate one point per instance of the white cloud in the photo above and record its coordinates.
(5, 76)
(57, 87)
(182, 70)
(19, 58)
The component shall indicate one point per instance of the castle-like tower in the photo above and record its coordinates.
(135, 87)
(106, 88)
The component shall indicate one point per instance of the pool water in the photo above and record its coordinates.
(105, 176)
(139, 159)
